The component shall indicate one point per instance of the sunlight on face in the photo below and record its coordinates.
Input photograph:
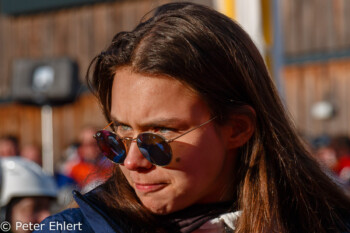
(201, 168)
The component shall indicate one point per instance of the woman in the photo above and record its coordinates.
(204, 144)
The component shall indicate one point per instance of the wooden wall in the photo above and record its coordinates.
(316, 37)
(80, 33)
(306, 84)
(314, 26)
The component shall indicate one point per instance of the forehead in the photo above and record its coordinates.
(143, 96)
(126, 77)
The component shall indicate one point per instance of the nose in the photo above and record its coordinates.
(135, 160)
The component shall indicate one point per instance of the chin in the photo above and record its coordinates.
(159, 208)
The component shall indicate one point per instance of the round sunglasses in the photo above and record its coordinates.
(154, 147)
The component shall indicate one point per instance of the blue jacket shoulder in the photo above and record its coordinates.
(91, 216)
(70, 220)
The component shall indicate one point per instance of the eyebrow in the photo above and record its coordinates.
(154, 122)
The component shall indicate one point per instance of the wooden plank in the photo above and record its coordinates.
(100, 27)
(339, 24)
(62, 37)
(289, 29)
(329, 26)
(35, 37)
(339, 74)
(48, 35)
(113, 18)
(321, 85)
(319, 37)
(291, 76)
(4, 50)
(346, 24)
(129, 20)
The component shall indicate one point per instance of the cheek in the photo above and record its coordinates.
(201, 161)
(201, 155)
(126, 173)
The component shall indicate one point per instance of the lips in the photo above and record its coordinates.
(149, 187)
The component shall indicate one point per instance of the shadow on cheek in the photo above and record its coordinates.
(186, 155)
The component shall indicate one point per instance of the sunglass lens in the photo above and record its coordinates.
(111, 146)
(154, 148)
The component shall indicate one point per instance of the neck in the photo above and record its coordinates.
(191, 218)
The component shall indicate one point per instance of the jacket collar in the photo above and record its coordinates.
(97, 218)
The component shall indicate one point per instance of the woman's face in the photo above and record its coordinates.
(201, 170)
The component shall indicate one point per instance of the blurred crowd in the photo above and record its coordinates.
(28, 194)
(333, 153)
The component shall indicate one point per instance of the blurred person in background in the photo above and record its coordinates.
(64, 167)
(341, 146)
(65, 183)
(32, 152)
(26, 193)
(91, 168)
(9, 146)
(324, 153)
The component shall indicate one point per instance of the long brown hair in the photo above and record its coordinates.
(279, 187)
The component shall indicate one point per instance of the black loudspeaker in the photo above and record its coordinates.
(45, 81)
